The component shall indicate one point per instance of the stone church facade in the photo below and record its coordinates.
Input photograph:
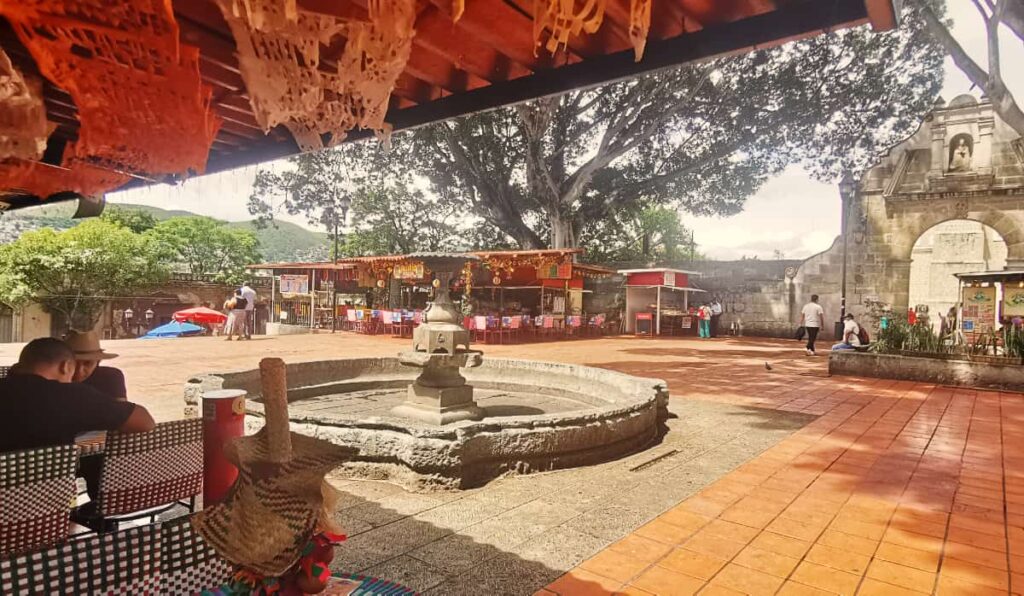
(963, 163)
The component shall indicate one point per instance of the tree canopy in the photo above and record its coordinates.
(74, 272)
(135, 220)
(203, 245)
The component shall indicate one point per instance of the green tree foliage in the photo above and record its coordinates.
(647, 235)
(136, 220)
(390, 212)
(72, 273)
(203, 245)
(702, 137)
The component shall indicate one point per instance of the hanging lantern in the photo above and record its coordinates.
(380, 283)
(436, 283)
(497, 280)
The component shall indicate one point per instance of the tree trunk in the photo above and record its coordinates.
(562, 233)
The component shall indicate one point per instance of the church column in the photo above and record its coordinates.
(938, 165)
(983, 152)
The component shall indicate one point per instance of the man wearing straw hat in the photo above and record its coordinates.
(88, 355)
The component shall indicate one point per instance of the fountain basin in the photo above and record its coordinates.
(537, 416)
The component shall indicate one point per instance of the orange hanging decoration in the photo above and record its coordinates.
(43, 180)
(458, 7)
(639, 26)
(141, 103)
(23, 125)
(563, 19)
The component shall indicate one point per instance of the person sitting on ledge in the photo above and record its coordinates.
(88, 354)
(851, 335)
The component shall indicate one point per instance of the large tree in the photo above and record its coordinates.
(989, 78)
(203, 245)
(702, 137)
(646, 235)
(74, 272)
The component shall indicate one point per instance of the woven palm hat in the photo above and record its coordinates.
(280, 498)
(86, 346)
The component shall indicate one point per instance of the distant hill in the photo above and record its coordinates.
(282, 241)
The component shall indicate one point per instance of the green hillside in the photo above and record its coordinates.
(282, 241)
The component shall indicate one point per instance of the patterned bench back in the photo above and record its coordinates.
(4, 371)
(37, 488)
(166, 558)
(146, 470)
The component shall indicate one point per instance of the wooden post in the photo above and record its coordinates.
(657, 314)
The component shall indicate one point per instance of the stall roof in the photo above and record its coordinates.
(658, 270)
(485, 59)
(1000, 275)
(680, 288)
(351, 262)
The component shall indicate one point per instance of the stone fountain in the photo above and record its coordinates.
(440, 415)
(440, 395)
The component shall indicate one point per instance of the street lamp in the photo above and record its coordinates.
(128, 314)
(344, 202)
(847, 186)
(149, 317)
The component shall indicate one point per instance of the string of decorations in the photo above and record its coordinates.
(23, 125)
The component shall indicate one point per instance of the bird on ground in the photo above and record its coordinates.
(767, 366)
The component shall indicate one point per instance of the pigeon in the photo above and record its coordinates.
(767, 366)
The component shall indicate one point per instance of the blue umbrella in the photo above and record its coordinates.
(173, 329)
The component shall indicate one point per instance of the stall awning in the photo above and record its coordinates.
(1002, 276)
(676, 288)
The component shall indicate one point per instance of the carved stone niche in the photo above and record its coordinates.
(961, 146)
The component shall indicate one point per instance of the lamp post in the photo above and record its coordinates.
(344, 202)
(149, 317)
(846, 190)
(128, 314)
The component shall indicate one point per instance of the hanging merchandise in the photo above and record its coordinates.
(141, 103)
(564, 18)
(43, 180)
(23, 125)
(279, 55)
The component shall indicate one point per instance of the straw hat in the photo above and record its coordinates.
(86, 346)
(280, 498)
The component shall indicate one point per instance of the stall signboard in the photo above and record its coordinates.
(1013, 302)
(644, 323)
(408, 271)
(669, 279)
(294, 284)
(556, 271)
(979, 309)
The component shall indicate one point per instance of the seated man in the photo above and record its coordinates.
(851, 335)
(88, 354)
(40, 406)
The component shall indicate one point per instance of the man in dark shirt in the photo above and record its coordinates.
(40, 406)
(88, 355)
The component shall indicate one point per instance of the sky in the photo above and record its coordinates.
(792, 213)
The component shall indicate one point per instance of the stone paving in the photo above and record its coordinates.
(783, 481)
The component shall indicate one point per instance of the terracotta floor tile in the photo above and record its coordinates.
(766, 561)
(978, 556)
(901, 575)
(583, 583)
(663, 532)
(869, 531)
(983, 526)
(795, 589)
(703, 506)
(843, 541)
(973, 573)
(685, 519)
(632, 591)
(641, 548)
(715, 546)
(543, 593)
(794, 529)
(719, 590)
(754, 518)
(912, 540)
(841, 559)
(910, 557)
(692, 563)
(825, 578)
(615, 565)
(748, 581)
(665, 582)
(951, 586)
(783, 545)
(978, 539)
(873, 587)
(730, 530)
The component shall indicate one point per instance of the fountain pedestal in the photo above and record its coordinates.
(440, 394)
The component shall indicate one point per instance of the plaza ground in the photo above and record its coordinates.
(778, 480)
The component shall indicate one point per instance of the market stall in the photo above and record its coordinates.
(658, 302)
(989, 300)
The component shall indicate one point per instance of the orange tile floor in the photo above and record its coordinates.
(898, 488)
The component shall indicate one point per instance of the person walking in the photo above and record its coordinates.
(250, 308)
(812, 317)
(716, 315)
(239, 311)
(229, 310)
(704, 321)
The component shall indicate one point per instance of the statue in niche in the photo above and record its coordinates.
(961, 150)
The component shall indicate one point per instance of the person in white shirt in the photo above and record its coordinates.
(716, 314)
(851, 335)
(812, 317)
(250, 309)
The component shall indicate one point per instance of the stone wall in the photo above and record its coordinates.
(957, 372)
